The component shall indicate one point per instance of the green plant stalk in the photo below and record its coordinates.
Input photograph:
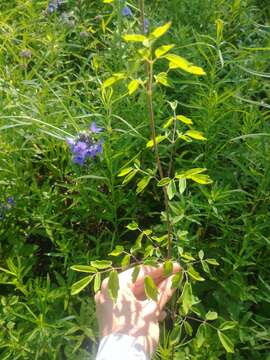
(149, 92)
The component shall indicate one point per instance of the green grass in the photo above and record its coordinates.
(67, 215)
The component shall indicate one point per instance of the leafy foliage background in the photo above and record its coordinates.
(65, 215)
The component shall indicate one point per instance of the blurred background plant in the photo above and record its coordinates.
(52, 66)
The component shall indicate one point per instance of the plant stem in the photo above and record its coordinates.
(153, 133)
(149, 93)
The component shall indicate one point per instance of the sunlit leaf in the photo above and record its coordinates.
(162, 50)
(101, 264)
(161, 30)
(182, 185)
(142, 184)
(168, 122)
(227, 325)
(113, 285)
(194, 274)
(186, 298)
(200, 179)
(188, 328)
(134, 37)
(171, 190)
(211, 315)
(194, 134)
(163, 182)
(150, 288)
(84, 268)
(226, 342)
(162, 78)
(117, 251)
(133, 86)
(130, 176)
(176, 61)
(200, 335)
(194, 171)
(168, 268)
(81, 284)
(135, 274)
(125, 262)
(184, 119)
(159, 139)
(132, 226)
(97, 282)
(212, 262)
(125, 171)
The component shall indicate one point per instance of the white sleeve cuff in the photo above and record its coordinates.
(120, 347)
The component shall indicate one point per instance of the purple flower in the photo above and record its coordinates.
(85, 145)
(51, 7)
(94, 128)
(126, 11)
(54, 6)
(10, 200)
(146, 25)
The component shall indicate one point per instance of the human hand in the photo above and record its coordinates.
(133, 314)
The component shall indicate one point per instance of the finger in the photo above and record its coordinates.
(157, 274)
(165, 292)
(162, 316)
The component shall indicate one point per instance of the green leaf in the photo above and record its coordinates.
(182, 185)
(150, 288)
(212, 262)
(200, 335)
(177, 280)
(200, 179)
(168, 268)
(113, 285)
(194, 274)
(162, 78)
(161, 30)
(187, 298)
(117, 251)
(133, 86)
(130, 176)
(162, 50)
(211, 315)
(201, 254)
(97, 282)
(163, 182)
(81, 284)
(194, 134)
(125, 171)
(227, 325)
(132, 226)
(194, 171)
(188, 328)
(168, 122)
(176, 61)
(125, 262)
(175, 335)
(184, 119)
(135, 274)
(113, 79)
(142, 184)
(101, 264)
(84, 268)
(134, 37)
(171, 190)
(159, 139)
(226, 342)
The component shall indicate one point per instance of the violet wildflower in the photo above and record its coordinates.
(146, 25)
(54, 5)
(6, 207)
(10, 201)
(126, 11)
(85, 145)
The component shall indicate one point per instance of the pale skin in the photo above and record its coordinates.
(133, 314)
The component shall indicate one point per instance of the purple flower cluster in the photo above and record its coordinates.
(54, 5)
(85, 145)
(5, 207)
(126, 11)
